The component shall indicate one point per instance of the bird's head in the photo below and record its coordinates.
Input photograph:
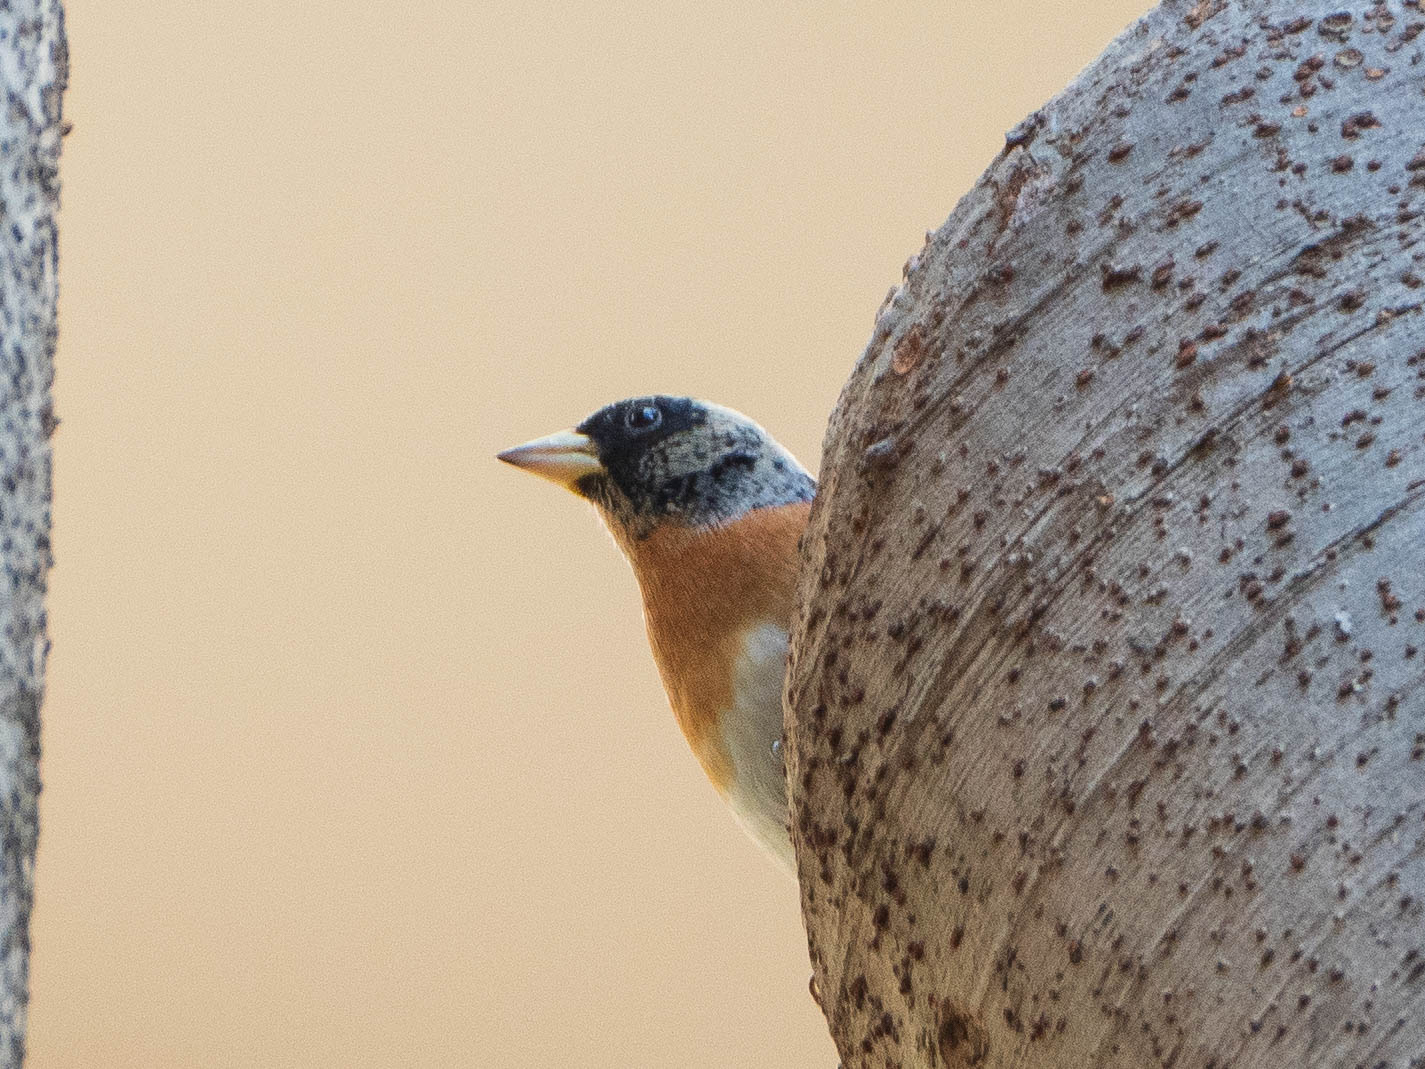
(654, 460)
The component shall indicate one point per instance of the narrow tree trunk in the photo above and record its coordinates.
(1106, 708)
(34, 67)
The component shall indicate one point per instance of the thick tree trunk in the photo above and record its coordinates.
(34, 67)
(1106, 709)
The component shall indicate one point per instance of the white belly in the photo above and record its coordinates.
(751, 729)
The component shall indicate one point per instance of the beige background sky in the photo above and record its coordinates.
(354, 752)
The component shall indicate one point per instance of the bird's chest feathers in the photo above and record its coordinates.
(718, 604)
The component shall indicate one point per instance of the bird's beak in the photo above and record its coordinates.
(562, 458)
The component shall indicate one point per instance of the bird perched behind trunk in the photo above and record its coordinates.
(709, 510)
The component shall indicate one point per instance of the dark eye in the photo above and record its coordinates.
(644, 417)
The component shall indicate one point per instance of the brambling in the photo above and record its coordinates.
(709, 510)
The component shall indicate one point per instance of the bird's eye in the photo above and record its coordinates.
(644, 417)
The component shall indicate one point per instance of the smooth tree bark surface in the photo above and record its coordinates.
(1106, 705)
(34, 68)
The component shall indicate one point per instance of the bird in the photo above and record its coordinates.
(709, 510)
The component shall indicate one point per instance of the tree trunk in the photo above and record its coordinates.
(1106, 707)
(34, 68)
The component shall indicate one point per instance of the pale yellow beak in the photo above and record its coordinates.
(562, 458)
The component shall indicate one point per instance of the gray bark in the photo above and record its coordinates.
(34, 67)
(1106, 706)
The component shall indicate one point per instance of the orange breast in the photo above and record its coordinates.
(702, 591)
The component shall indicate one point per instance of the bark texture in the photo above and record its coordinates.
(34, 68)
(1106, 708)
